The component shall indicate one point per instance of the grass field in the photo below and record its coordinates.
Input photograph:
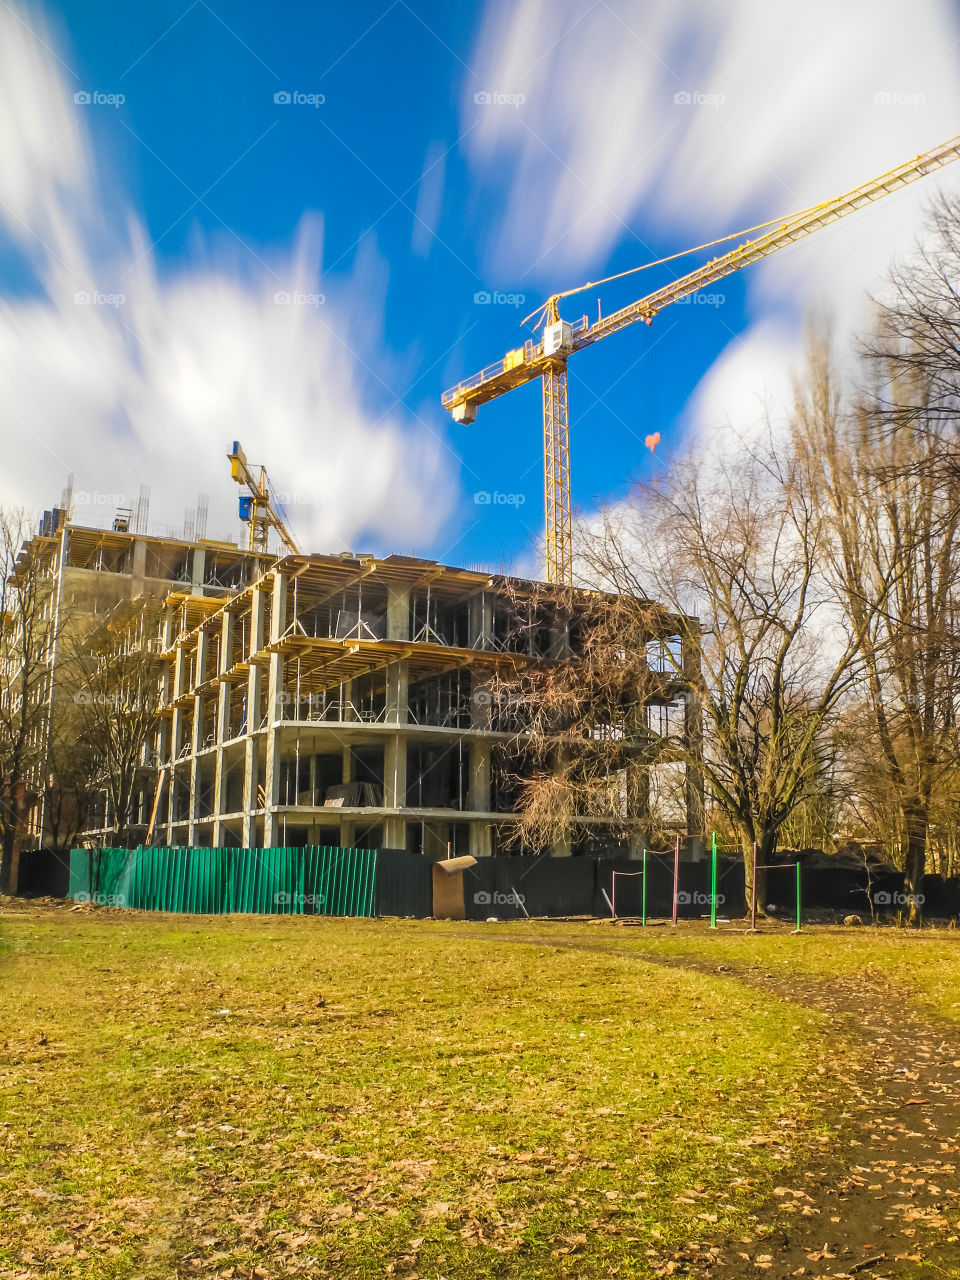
(249, 1096)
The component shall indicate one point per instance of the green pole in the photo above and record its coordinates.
(713, 884)
(798, 896)
(643, 891)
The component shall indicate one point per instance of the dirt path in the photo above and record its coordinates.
(885, 1201)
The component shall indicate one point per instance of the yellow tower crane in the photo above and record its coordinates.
(547, 359)
(259, 507)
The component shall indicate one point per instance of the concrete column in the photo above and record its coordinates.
(481, 621)
(395, 832)
(179, 670)
(479, 800)
(347, 825)
(398, 613)
(254, 681)
(638, 805)
(560, 638)
(271, 784)
(397, 685)
(176, 718)
(223, 712)
(278, 605)
(436, 836)
(167, 626)
(481, 839)
(166, 802)
(197, 566)
(250, 773)
(395, 789)
(139, 566)
(481, 701)
(168, 633)
(481, 833)
(198, 734)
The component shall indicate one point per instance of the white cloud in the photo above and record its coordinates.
(121, 376)
(600, 144)
(732, 398)
(779, 107)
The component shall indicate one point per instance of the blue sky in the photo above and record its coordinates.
(382, 202)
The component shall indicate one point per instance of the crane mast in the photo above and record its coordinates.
(547, 359)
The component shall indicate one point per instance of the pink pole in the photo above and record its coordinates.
(613, 895)
(676, 878)
(753, 896)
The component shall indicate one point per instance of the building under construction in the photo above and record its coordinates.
(86, 573)
(315, 700)
(349, 700)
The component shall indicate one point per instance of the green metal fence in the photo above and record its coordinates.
(317, 880)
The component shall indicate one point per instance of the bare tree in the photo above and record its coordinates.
(114, 671)
(724, 558)
(914, 348)
(26, 630)
(893, 558)
(70, 780)
(740, 544)
(581, 747)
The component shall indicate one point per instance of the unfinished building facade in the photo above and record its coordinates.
(85, 573)
(346, 700)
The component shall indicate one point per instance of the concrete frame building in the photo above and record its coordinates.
(346, 700)
(340, 700)
(87, 572)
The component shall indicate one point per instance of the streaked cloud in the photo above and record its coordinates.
(694, 118)
(122, 373)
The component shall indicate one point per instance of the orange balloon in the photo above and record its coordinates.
(652, 441)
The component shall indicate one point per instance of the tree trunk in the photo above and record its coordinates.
(7, 860)
(916, 822)
(13, 830)
(766, 851)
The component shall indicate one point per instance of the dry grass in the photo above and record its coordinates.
(250, 1096)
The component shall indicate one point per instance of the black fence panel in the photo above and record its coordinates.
(888, 893)
(511, 887)
(731, 888)
(404, 884)
(43, 873)
(941, 897)
(781, 888)
(843, 889)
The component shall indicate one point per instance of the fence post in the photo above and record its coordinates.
(676, 877)
(643, 891)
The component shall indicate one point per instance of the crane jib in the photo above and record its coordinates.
(548, 359)
(526, 363)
